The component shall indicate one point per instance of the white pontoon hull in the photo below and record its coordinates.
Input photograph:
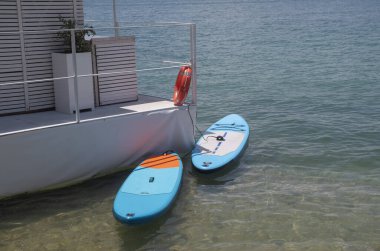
(54, 157)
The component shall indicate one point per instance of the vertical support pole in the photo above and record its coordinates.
(75, 12)
(23, 57)
(74, 54)
(193, 62)
(95, 71)
(115, 22)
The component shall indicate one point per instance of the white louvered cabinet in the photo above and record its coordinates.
(115, 58)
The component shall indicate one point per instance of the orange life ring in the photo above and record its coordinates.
(182, 85)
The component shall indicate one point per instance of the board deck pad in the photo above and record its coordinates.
(149, 190)
(149, 181)
(161, 161)
(208, 144)
(222, 142)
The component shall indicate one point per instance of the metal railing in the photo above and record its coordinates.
(192, 63)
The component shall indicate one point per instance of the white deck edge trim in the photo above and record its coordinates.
(89, 120)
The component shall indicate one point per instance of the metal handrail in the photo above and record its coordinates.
(146, 25)
(177, 64)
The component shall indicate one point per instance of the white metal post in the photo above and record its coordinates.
(115, 22)
(75, 12)
(74, 54)
(23, 56)
(193, 61)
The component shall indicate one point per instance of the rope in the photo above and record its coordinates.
(192, 122)
(194, 126)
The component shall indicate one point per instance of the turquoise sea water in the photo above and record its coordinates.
(305, 75)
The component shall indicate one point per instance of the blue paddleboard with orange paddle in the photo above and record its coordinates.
(149, 190)
(222, 142)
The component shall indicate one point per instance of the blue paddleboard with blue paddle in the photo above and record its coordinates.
(221, 143)
(149, 190)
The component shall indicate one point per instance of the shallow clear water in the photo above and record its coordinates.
(306, 76)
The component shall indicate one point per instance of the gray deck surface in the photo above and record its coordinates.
(14, 123)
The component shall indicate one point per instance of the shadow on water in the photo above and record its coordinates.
(40, 205)
(219, 177)
(136, 236)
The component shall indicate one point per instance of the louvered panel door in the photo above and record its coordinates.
(40, 15)
(12, 97)
(115, 55)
